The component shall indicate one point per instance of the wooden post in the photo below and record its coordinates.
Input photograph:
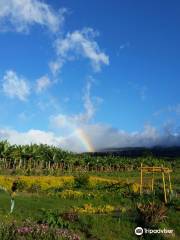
(141, 180)
(164, 185)
(170, 186)
(152, 183)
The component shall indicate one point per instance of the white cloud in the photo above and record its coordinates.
(77, 120)
(15, 86)
(31, 136)
(101, 136)
(19, 15)
(80, 43)
(34, 136)
(42, 83)
(88, 104)
(55, 66)
(104, 136)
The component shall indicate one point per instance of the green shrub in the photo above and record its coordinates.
(81, 181)
(21, 185)
(151, 214)
(53, 219)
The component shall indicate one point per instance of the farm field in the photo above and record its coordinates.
(53, 194)
(82, 207)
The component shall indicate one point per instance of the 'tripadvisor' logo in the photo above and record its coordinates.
(138, 231)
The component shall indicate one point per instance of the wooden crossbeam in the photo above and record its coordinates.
(154, 169)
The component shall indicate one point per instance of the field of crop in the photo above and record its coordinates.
(64, 196)
(85, 207)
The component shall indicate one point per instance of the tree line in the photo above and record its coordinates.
(47, 157)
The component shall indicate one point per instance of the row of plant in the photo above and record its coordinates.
(81, 187)
(42, 183)
(51, 158)
(45, 183)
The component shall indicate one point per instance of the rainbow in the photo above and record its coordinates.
(85, 140)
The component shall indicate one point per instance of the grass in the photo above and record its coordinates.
(28, 206)
(112, 226)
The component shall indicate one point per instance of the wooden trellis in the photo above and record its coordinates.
(163, 171)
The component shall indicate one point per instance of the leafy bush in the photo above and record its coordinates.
(175, 203)
(52, 218)
(81, 181)
(21, 185)
(151, 214)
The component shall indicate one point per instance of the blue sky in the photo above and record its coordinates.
(109, 68)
